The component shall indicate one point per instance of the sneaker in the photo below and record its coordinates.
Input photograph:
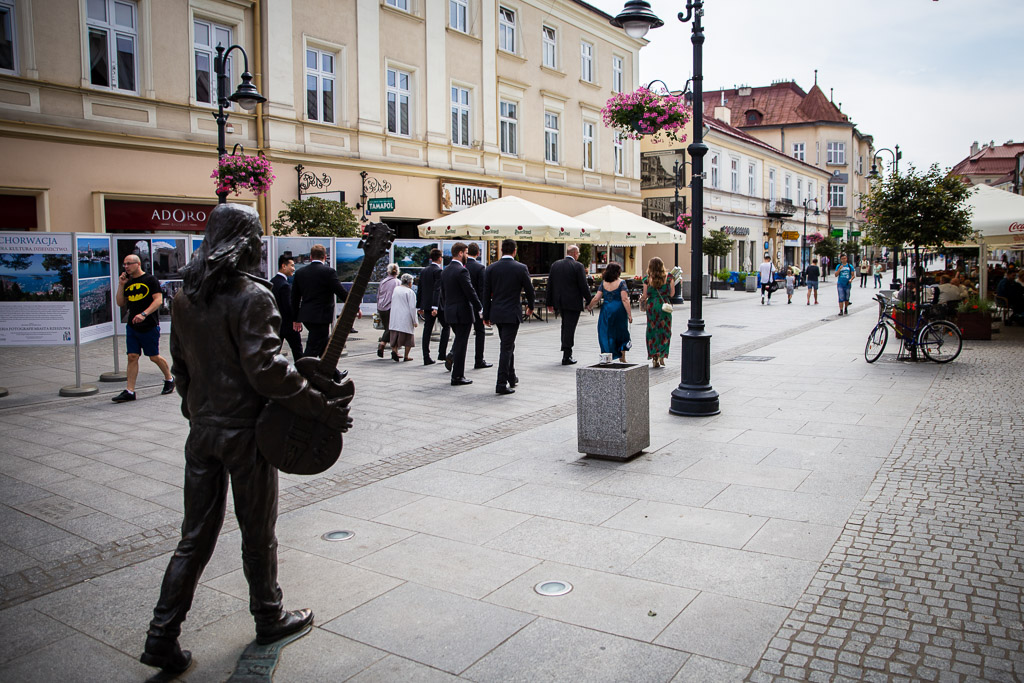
(168, 387)
(124, 396)
(762, 301)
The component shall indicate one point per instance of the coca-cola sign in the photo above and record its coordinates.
(1016, 227)
(128, 216)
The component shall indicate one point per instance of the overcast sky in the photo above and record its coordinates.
(930, 76)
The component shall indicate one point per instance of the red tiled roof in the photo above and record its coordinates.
(778, 104)
(990, 161)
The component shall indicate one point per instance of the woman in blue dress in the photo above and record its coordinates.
(616, 315)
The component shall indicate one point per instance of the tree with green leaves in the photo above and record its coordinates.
(316, 217)
(717, 244)
(828, 246)
(586, 255)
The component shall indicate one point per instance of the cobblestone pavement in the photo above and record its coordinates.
(926, 581)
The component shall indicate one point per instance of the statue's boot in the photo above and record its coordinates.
(166, 654)
(285, 625)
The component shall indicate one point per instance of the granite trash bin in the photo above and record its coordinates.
(613, 420)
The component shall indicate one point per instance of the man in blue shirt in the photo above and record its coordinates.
(844, 280)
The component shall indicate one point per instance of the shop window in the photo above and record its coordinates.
(320, 91)
(113, 44)
(8, 40)
(399, 98)
(460, 116)
(509, 113)
(206, 36)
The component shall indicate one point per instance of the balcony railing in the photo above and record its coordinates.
(781, 207)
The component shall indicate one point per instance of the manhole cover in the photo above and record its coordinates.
(338, 535)
(752, 359)
(553, 589)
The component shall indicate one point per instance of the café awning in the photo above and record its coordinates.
(622, 228)
(509, 217)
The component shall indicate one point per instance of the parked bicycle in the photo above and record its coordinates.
(938, 340)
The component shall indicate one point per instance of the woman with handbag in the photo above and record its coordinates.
(616, 315)
(766, 273)
(656, 301)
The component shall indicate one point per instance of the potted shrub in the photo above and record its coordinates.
(741, 281)
(723, 279)
(645, 112)
(974, 318)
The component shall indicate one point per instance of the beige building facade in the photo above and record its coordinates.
(106, 103)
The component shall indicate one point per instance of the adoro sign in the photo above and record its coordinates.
(127, 216)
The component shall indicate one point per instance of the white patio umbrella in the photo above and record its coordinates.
(997, 217)
(509, 217)
(620, 227)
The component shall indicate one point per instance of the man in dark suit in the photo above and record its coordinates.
(281, 286)
(428, 302)
(313, 290)
(568, 293)
(476, 276)
(505, 280)
(461, 307)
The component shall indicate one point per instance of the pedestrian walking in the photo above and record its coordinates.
(865, 270)
(428, 299)
(811, 276)
(403, 319)
(385, 292)
(281, 286)
(504, 283)
(878, 274)
(766, 273)
(314, 289)
(790, 285)
(844, 282)
(476, 278)
(616, 314)
(461, 307)
(657, 293)
(568, 294)
(139, 292)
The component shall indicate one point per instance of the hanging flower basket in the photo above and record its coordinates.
(814, 238)
(684, 221)
(237, 171)
(645, 112)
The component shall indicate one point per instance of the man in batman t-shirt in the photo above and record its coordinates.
(139, 292)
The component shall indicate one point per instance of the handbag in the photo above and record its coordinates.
(774, 286)
(667, 307)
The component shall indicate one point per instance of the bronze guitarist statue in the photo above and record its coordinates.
(225, 361)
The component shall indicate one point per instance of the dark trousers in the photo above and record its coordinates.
(212, 455)
(479, 336)
(428, 329)
(863, 279)
(294, 340)
(459, 347)
(506, 355)
(316, 341)
(385, 320)
(569, 322)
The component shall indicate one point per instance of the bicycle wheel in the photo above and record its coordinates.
(876, 342)
(940, 341)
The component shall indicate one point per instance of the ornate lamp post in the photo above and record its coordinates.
(247, 97)
(875, 175)
(803, 251)
(694, 396)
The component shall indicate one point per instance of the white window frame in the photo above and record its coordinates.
(508, 127)
(751, 179)
(458, 15)
(586, 61)
(787, 187)
(589, 144)
(322, 76)
(860, 164)
(552, 137)
(734, 174)
(11, 27)
(396, 93)
(799, 190)
(619, 154)
(836, 154)
(716, 177)
(506, 29)
(817, 153)
(462, 121)
(618, 73)
(837, 196)
(113, 32)
(398, 4)
(810, 191)
(549, 43)
(771, 184)
(210, 52)
(800, 151)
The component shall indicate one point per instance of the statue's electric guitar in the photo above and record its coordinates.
(299, 444)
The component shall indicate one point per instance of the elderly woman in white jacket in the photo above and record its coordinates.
(403, 318)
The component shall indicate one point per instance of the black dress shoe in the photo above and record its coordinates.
(448, 362)
(482, 366)
(286, 625)
(166, 654)
(460, 381)
(429, 361)
(502, 389)
(513, 382)
(568, 361)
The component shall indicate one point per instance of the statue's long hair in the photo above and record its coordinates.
(231, 245)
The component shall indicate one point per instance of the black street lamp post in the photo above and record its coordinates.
(678, 171)
(247, 97)
(694, 396)
(803, 252)
(874, 175)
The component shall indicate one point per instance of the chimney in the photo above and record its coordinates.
(974, 148)
(745, 91)
(724, 114)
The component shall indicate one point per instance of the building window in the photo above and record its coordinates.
(835, 153)
(113, 44)
(460, 116)
(798, 151)
(799, 190)
(734, 175)
(588, 146)
(788, 187)
(860, 164)
(398, 101)
(551, 138)
(506, 29)
(619, 153)
(458, 15)
(817, 153)
(751, 181)
(206, 36)
(837, 196)
(399, 4)
(320, 68)
(617, 74)
(509, 112)
(586, 62)
(8, 42)
(714, 170)
(771, 184)
(550, 42)
(810, 191)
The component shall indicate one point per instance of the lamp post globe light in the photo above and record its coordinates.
(875, 175)
(804, 254)
(247, 97)
(694, 397)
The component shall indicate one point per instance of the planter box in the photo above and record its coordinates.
(740, 286)
(720, 286)
(613, 420)
(751, 283)
(975, 325)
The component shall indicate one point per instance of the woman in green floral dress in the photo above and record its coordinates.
(658, 292)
